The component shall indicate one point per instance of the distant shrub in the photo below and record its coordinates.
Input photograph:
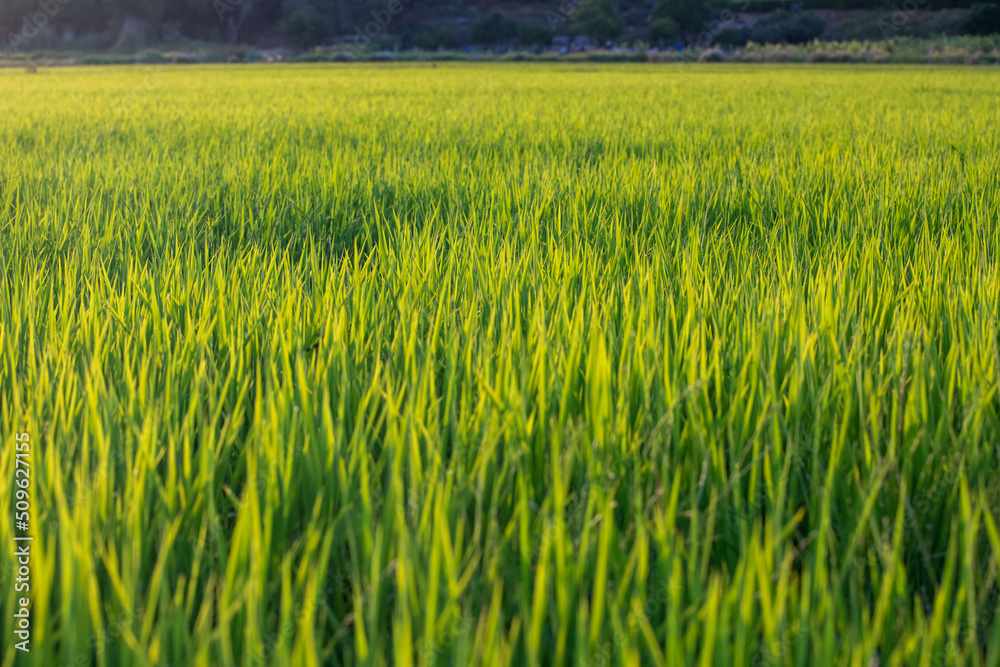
(732, 37)
(181, 58)
(518, 56)
(150, 57)
(431, 38)
(212, 56)
(314, 56)
(612, 56)
(670, 56)
(713, 56)
(831, 57)
(783, 27)
(451, 56)
(106, 59)
(780, 57)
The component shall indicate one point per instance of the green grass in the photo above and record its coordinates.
(601, 365)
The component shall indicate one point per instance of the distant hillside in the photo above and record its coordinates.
(127, 26)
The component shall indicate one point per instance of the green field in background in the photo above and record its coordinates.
(503, 364)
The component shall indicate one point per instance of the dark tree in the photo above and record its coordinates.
(691, 16)
(663, 28)
(493, 30)
(599, 19)
(983, 19)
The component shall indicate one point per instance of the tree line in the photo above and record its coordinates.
(132, 24)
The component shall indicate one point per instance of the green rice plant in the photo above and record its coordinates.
(502, 364)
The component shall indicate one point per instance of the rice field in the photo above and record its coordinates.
(502, 364)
